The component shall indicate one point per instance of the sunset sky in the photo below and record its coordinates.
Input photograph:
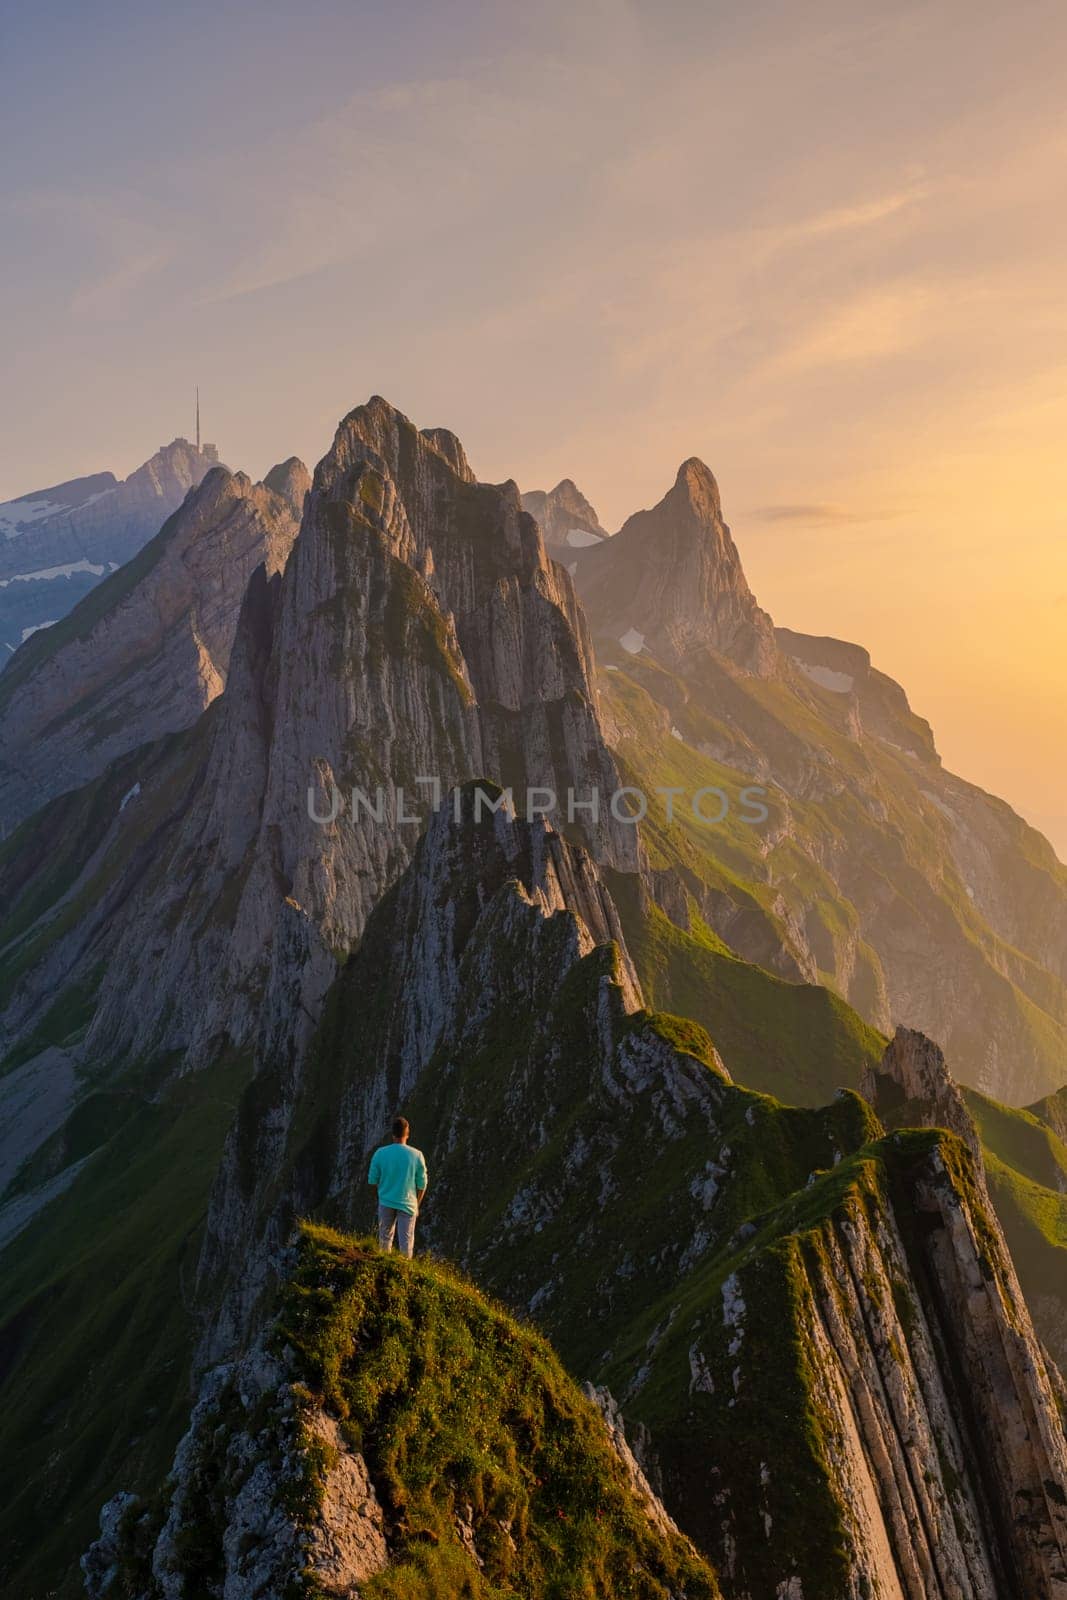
(822, 246)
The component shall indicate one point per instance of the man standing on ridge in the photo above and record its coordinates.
(399, 1174)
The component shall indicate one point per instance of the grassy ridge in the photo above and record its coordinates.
(459, 1408)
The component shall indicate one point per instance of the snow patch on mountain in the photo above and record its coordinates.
(826, 678)
(48, 573)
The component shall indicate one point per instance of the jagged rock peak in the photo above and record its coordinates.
(290, 479)
(913, 1085)
(671, 581)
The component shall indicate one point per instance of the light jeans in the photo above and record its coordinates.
(402, 1223)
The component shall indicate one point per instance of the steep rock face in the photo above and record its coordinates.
(671, 580)
(435, 640)
(920, 898)
(487, 866)
(145, 654)
(56, 543)
(297, 1507)
(567, 520)
(292, 480)
(724, 1265)
(418, 633)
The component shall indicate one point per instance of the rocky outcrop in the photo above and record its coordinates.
(1052, 1111)
(265, 1498)
(881, 705)
(56, 543)
(912, 1088)
(291, 480)
(940, 1416)
(150, 649)
(345, 1451)
(671, 582)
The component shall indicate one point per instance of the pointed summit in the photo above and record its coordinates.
(673, 578)
(695, 484)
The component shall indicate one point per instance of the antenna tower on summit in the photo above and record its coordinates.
(198, 418)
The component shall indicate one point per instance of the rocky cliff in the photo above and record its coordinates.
(418, 636)
(818, 1327)
(57, 543)
(149, 649)
(921, 899)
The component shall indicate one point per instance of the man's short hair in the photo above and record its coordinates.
(400, 1127)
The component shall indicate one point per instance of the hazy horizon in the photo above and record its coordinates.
(823, 251)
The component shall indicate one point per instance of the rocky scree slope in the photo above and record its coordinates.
(918, 897)
(149, 649)
(394, 1435)
(56, 543)
(814, 1329)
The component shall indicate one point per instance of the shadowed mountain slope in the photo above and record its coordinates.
(149, 648)
(57, 543)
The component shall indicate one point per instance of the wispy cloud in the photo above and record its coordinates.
(862, 214)
(871, 326)
(108, 295)
(117, 249)
(818, 514)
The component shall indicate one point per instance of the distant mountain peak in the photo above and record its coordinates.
(566, 518)
(674, 573)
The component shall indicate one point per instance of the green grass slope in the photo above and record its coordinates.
(97, 1330)
(797, 1041)
(454, 1403)
(1026, 1163)
(856, 857)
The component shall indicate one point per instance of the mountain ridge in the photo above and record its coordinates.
(227, 999)
(55, 543)
(148, 650)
